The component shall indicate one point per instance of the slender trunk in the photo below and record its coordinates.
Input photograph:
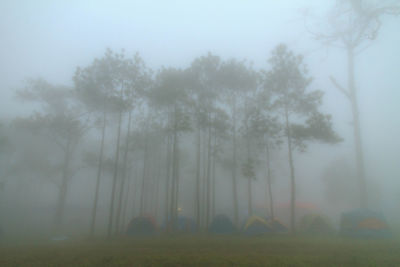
(64, 186)
(126, 200)
(208, 181)
(197, 201)
(174, 172)
(269, 183)
(234, 167)
(357, 130)
(158, 176)
(249, 178)
(213, 175)
(152, 179)
(123, 176)
(177, 181)
(135, 189)
(145, 156)
(203, 181)
(99, 169)
(249, 193)
(292, 177)
(167, 182)
(174, 180)
(115, 175)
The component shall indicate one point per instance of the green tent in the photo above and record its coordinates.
(315, 224)
(256, 226)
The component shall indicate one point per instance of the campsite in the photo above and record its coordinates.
(199, 133)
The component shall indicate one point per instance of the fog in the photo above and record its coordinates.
(48, 178)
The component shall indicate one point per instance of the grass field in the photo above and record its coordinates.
(205, 251)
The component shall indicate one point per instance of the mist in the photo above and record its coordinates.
(113, 110)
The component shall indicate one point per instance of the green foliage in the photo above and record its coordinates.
(288, 83)
(237, 77)
(112, 82)
(248, 169)
(318, 127)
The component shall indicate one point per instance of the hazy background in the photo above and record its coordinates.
(50, 39)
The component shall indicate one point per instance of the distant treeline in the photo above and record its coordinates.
(142, 127)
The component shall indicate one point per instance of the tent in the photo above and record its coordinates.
(315, 224)
(221, 224)
(364, 223)
(256, 226)
(183, 224)
(144, 225)
(277, 225)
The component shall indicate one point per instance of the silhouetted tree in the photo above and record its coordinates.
(288, 82)
(352, 25)
(60, 120)
(235, 79)
(170, 93)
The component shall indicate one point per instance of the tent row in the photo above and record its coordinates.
(221, 224)
(358, 223)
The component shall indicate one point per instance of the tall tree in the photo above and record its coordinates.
(170, 94)
(288, 82)
(353, 25)
(59, 118)
(137, 80)
(265, 129)
(204, 95)
(94, 86)
(248, 166)
(235, 79)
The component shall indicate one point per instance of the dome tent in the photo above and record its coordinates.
(256, 226)
(364, 223)
(315, 224)
(221, 224)
(183, 224)
(277, 225)
(143, 225)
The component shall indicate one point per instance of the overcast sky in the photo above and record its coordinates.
(50, 39)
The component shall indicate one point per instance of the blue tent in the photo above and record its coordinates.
(364, 223)
(316, 224)
(221, 224)
(141, 226)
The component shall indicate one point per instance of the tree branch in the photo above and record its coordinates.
(338, 86)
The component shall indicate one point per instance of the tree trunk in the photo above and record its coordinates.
(64, 186)
(208, 181)
(292, 177)
(174, 181)
(158, 176)
(357, 130)
(250, 178)
(167, 182)
(123, 176)
(177, 182)
(135, 188)
(99, 169)
(174, 172)
(213, 175)
(197, 200)
(234, 167)
(126, 200)
(269, 183)
(145, 156)
(115, 175)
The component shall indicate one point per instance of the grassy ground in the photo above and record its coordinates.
(206, 251)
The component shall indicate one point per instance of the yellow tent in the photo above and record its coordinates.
(256, 225)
